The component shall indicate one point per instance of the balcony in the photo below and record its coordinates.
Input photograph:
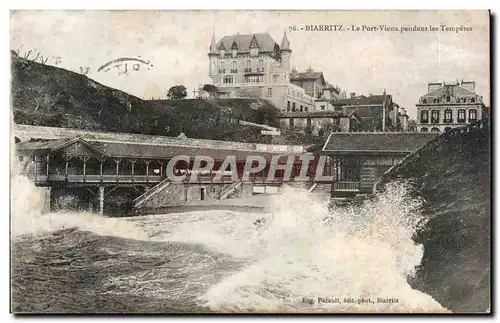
(447, 120)
(248, 70)
(424, 121)
(435, 121)
(222, 71)
(461, 120)
(260, 69)
(346, 186)
(472, 120)
(234, 71)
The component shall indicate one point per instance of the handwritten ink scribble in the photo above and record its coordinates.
(122, 59)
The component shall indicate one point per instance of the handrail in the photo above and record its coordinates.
(152, 189)
(228, 190)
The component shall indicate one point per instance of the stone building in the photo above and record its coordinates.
(373, 113)
(254, 65)
(448, 105)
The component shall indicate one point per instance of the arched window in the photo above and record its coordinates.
(435, 129)
(447, 116)
(305, 109)
(293, 107)
(424, 116)
(472, 115)
(461, 116)
(301, 108)
(472, 100)
(424, 129)
(424, 101)
(435, 116)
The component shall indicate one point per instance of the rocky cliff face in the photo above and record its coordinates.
(452, 174)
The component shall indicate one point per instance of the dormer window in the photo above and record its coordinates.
(234, 49)
(222, 50)
(254, 47)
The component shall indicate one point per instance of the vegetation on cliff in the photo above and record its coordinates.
(45, 95)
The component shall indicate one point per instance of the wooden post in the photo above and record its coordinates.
(47, 159)
(147, 170)
(117, 161)
(36, 161)
(161, 168)
(46, 204)
(66, 158)
(84, 159)
(101, 200)
(133, 161)
(101, 161)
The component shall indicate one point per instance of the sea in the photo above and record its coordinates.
(299, 256)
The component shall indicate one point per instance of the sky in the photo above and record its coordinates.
(173, 47)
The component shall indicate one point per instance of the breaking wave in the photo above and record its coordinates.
(300, 256)
(303, 256)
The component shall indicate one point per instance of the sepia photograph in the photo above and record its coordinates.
(250, 161)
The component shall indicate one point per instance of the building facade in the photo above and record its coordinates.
(448, 105)
(374, 113)
(254, 65)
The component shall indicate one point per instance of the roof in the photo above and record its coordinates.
(449, 89)
(364, 100)
(310, 114)
(265, 41)
(307, 75)
(141, 150)
(53, 145)
(402, 142)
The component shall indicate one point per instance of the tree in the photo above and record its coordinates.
(177, 92)
(211, 89)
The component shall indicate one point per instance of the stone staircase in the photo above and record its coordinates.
(321, 188)
(228, 191)
(151, 192)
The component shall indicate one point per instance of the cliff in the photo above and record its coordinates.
(45, 95)
(452, 174)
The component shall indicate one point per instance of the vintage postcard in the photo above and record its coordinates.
(250, 161)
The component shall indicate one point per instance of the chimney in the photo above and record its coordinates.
(469, 85)
(294, 70)
(434, 86)
(353, 94)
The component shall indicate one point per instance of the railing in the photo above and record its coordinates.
(248, 70)
(346, 186)
(98, 178)
(153, 191)
(230, 189)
